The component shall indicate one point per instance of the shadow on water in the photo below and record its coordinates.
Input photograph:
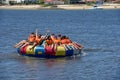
(15, 57)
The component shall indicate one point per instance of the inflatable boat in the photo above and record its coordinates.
(48, 51)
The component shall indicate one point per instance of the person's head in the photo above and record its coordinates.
(32, 34)
(59, 35)
(63, 37)
(52, 34)
(48, 37)
(39, 35)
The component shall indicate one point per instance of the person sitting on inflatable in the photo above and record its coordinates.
(30, 40)
(75, 44)
(66, 42)
(38, 41)
(49, 41)
(42, 40)
(56, 41)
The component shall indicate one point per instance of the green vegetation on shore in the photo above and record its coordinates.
(55, 2)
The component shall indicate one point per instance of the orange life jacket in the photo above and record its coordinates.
(63, 41)
(39, 40)
(68, 41)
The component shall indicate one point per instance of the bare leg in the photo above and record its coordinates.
(25, 44)
(74, 45)
(64, 46)
(55, 46)
(78, 45)
(52, 45)
(35, 44)
(20, 43)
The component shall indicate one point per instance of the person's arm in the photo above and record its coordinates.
(47, 34)
(36, 33)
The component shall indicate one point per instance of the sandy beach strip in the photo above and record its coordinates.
(65, 7)
(21, 7)
(79, 7)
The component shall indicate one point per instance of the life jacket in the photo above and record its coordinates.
(63, 41)
(57, 41)
(68, 41)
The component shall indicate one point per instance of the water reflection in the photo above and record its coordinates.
(49, 63)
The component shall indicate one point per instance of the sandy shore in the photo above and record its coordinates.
(105, 6)
(26, 7)
(65, 7)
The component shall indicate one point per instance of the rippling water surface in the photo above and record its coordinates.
(97, 30)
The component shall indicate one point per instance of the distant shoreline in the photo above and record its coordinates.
(61, 7)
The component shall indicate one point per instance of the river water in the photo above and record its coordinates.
(97, 30)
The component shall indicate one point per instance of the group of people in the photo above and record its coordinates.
(52, 40)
